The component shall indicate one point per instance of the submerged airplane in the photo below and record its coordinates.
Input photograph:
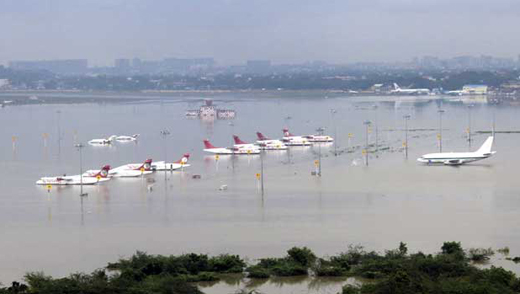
(132, 170)
(105, 141)
(88, 178)
(292, 140)
(458, 158)
(181, 163)
(241, 149)
(269, 144)
(126, 138)
(398, 90)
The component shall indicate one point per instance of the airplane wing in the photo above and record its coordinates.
(454, 162)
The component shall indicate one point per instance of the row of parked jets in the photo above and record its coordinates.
(106, 173)
(265, 143)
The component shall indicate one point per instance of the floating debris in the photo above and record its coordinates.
(223, 188)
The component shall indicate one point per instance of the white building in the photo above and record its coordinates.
(475, 89)
(4, 83)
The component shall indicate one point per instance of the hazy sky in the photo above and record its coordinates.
(233, 31)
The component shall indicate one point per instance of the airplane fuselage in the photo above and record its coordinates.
(453, 158)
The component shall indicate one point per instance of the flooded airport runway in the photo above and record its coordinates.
(390, 200)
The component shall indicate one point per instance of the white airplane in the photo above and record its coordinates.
(292, 140)
(132, 170)
(458, 158)
(105, 141)
(235, 150)
(398, 90)
(89, 178)
(455, 93)
(319, 138)
(269, 144)
(263, 145)
(182, 163)
(126, 138)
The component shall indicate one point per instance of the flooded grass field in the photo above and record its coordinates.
(392, 199)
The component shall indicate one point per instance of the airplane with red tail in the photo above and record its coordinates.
(179, 164)
(132, 170)
(269, 144)
(292, 140)
(90, 177)
(237, 149)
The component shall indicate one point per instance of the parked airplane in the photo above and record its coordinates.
(89, 178)
(127, 138)
(181, 163)
(269, 144)
(105, 141)
(319, 138)
(292, 140)
(398, 90)
(235, 150)
(458, 158)
(132, 170)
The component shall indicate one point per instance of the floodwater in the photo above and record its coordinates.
(392, 199)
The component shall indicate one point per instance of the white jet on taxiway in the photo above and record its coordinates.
(458, 158)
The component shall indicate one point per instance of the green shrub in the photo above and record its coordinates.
(226, 263)
(480, 254)
(289, 269)
(258, 272)
(303, 256)
(329, 271)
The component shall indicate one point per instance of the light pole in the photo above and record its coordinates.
(333, 112)
(262, 171)
(320, 132)
(469, 126)
(441, 112)
(165, 133)
(80, 146)
(367, 124)
(58, 112)
(377, 131)
(406, 118)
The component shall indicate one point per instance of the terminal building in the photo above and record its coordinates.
(475, 89)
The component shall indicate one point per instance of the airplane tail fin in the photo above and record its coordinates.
(103, 173)
(286, 133)
(184, 159)
(208, 145)
(147, 165)
(486, 147)
(237, 140)
(135, 136)
(396, 86)
(261, 136)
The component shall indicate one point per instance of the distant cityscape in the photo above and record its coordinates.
(125, 66)
(501, 76)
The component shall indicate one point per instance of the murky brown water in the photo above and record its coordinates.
(391, 200)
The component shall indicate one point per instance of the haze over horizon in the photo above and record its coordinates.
(232, 31)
